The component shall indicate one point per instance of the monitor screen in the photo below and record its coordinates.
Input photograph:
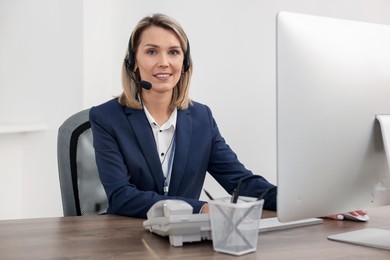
(333, 79)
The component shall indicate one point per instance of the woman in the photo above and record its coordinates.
(154, 144)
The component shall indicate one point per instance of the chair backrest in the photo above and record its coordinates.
(81, 190)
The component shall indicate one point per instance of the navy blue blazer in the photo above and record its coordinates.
(130, 168)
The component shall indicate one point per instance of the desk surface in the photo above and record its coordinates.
(116, 237)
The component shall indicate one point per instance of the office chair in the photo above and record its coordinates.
(81, 190)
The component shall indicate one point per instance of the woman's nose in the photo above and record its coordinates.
(163, 61)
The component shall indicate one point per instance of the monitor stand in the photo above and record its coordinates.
(384, 121)
(372, 237)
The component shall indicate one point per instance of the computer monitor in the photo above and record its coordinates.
(333, 79)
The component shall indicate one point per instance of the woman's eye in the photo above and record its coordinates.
(174, 52)
(151, 52)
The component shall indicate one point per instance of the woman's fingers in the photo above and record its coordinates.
(336, 216)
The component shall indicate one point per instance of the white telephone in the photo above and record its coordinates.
(174, 218)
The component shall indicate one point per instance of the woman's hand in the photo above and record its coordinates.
(205, 209)
(353, 213)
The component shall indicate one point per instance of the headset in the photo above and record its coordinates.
(130, 59)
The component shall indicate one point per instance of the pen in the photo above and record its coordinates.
(262, 195)
(208, 194)
(236, 192)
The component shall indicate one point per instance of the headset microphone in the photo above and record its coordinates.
(145, 84)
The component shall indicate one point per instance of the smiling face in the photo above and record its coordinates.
(159, 58)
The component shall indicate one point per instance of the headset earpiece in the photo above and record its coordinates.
(130, 58)
(187, 58)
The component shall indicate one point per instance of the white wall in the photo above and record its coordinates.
(41, 80)
(57, 57)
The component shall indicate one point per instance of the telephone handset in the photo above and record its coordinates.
(174, 218)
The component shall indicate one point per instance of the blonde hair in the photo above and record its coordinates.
(180, 96)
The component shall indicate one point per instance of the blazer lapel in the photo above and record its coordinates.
(144, 134)
(183, 140)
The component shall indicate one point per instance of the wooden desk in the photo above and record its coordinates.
(115, 237)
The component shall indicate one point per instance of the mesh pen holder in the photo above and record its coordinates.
(235, 226)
